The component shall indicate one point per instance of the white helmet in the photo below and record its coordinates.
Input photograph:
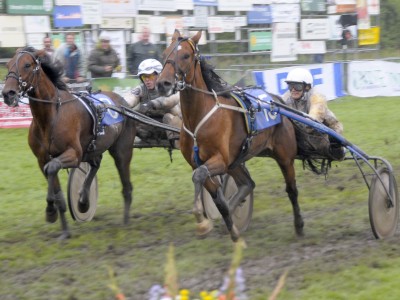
(300, 75)
(149, 66)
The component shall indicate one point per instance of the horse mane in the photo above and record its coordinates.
(53, 70)
(212, 80)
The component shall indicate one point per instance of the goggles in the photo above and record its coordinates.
(296, 86)
(148, 76)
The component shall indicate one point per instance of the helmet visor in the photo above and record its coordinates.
(297, 86)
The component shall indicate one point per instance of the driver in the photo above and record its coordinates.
(302, 96)
(145, 99)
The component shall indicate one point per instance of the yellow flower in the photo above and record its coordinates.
(184, 292)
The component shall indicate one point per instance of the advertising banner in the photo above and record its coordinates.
(327, 79)
(373, 78)
(157, 5)
(12, 31)
(91, 12)
(260, 41)
(284, 42)
(119, 8)
(259, 15)
(369, 36)
(285, 13)
(67, 16)
(237, 5)
(313, 5)
(29, 7)
(314, 29)
(205, 2)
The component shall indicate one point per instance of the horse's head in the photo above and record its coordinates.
(180, 59)
(22, 74)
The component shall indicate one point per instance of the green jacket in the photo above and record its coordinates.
(99, 58)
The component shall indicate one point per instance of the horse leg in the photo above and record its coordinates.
(289, 174)
(84, 203)
(204, 225)
(55, 198)
(202, 176)
(244, 185)
(122, 157)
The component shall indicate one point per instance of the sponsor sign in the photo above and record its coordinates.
(260, 41)
(373, 78)
(369, 36)
(314, 29)
(327, 79)
(260, 15)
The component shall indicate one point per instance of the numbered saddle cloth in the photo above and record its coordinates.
(258, 104)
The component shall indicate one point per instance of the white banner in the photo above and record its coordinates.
(91, 12)
(373, 78)
(225, 24)
(119, 8)
(37, 24)
(285, 13)
(117, 23)
(311, 47)
(158, 5)
(314, 29)
(237, 5)
(284, 42)
(327, 79)
(12, 31)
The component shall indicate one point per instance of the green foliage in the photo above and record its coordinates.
(390, 19)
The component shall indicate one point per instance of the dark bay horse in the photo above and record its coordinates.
(214, 133)
(61, 134)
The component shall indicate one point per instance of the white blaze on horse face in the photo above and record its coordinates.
(179, 48)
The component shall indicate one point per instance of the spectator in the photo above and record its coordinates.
(141, 50)
(302, 96)
(103, 60)
(47, 46)
(145, 99)
(72, 59)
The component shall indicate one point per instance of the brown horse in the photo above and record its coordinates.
(62, 131)
(214, 133)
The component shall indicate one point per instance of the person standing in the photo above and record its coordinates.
(71, 57)
(141, 50)
(48, 47)
(103, 60)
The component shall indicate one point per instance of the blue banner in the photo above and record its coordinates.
(205, 2)
(67, 16)
(260, 15)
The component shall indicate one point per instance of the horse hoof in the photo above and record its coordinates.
(235, 234)
(203, 228)
(83, 207)
(51, 215)
(64, 236)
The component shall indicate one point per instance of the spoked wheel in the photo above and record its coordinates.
(383, 213)
(243, 213)
(75, 181)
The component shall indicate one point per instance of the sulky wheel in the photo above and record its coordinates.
(243, 213)
(75, 182)
(383, 213)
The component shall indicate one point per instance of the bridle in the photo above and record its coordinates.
(24, 86)
(180, 75)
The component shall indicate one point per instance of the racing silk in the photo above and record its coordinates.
(161, 105)
(316, 105)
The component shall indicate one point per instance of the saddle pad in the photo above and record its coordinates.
(110, 117)
(259, 100)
